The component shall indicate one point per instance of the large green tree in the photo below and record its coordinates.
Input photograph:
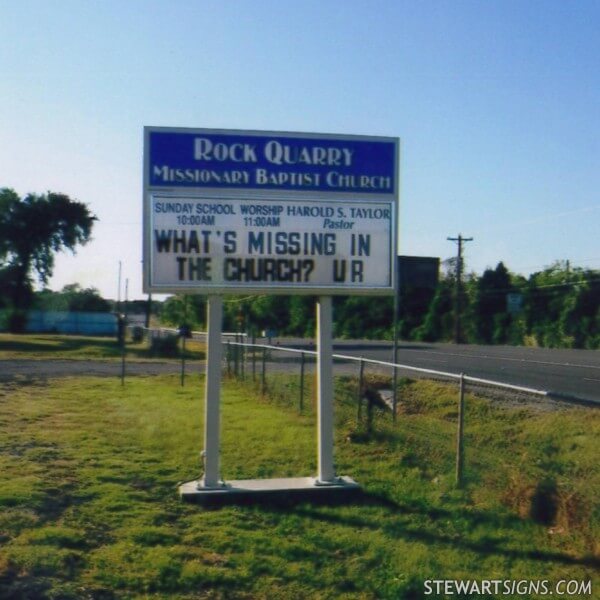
(32, 230)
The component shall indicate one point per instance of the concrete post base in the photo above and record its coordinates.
(257, 490)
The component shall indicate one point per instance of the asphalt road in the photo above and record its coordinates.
(36, 369)
(565, 373)
(570, 374)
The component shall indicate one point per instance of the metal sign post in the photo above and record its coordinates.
(326, 474)
(212, 408)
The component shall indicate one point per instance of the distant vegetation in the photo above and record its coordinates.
(559, 307)
(72, 298)
(556, 307)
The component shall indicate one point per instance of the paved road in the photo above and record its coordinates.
(568, 373)
(15, 369)
(571, 373)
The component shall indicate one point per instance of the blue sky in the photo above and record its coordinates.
(497, 105)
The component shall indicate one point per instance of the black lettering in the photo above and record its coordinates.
(163, 240)
(294, 270)
(309, 265)
(199, 269)
(294, 243)
(267, 270)
(193, 243)
(256, 242)
(269, 273)
(364, 245)
(357, 269)
(329, 244)
(229, 273)
(281, 245)
(230, 242)
(179, 242)
(339, 271)
(206, 236)
(180, 267)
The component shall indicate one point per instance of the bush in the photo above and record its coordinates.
(137, 334)
(17, 321)
(167, 347)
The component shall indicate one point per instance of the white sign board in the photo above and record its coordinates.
(268, 244)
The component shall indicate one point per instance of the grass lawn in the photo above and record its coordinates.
(89, 509)
(80, 347)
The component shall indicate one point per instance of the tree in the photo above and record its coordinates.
(184, 310)
(302, 316)
(545, 296)
(363, 317)
(578, 322)
(32, 230)
(439, 320)
(72, 298)
(490, 317)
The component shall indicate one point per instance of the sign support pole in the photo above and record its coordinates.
(212, 395)
(326, 474)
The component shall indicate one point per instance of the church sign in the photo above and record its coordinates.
(242, 211)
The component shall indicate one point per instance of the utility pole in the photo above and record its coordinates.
(126, 295)
(119, 290)
(460, 240)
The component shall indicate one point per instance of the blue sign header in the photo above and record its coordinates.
(201, 158)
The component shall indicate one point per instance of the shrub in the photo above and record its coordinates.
(167, 347)
(17, 321)
(137, 334)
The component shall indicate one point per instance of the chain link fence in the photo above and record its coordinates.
(288, 375)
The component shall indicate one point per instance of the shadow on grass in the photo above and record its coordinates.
(83, 347)
(399, 529)
(61, 343)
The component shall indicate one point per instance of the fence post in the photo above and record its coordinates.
(182, 360)
(236, 357)
(360, 388)
(243, 351)
(123, 352)
(394, 392)
(263, 382)
(253, 356)
(302, 382)
(228, 353)
(370, 413)
(459, 434)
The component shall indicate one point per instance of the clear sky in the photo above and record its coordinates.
(497, 105)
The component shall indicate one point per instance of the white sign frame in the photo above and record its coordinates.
(358, 197)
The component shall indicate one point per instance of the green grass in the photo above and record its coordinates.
(79, 347)
(89, 507)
